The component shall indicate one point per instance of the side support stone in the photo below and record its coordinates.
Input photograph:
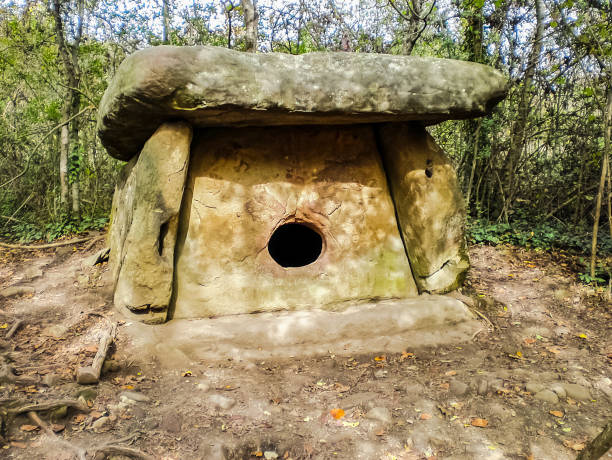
(144, 223)
(429, 205)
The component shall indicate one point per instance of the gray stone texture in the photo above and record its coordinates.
(214, 86)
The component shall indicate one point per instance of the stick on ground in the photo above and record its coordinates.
(14, 328)
(91, 374)
(79, 451)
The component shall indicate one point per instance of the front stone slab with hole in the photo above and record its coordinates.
(310, 182)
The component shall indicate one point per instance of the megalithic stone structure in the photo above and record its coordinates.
(262, 182)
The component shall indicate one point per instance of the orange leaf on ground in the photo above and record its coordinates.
(28, 427)
(21, 445)
(337, 413)
(556, 413)
(425, 416)
(530, 341)
(259, 453)
(444, 386)
(380, 432)
(380, 358)
(450, 373)
(406, 355)
(479, 422)
(574, 445)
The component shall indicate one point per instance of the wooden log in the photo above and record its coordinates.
(91, 374)
(598, 446)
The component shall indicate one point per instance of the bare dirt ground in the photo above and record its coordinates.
(533, 383)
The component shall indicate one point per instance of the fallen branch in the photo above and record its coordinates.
(45, 246)
(113, 449)
(93, 241)
(91, 374)
(47, 405)
(79, 451)
(484, 317)
(14, 328)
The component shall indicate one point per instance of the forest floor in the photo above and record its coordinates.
(533, 383)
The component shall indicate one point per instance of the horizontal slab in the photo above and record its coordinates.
(213, 86)
(385, 326)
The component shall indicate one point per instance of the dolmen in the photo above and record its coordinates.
(265, 182)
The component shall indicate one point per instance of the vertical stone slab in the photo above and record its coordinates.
(429, 205)
(144, 223)
(245, 183)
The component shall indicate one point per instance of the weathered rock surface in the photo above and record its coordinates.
(429, 206)
(547, 396)
(213, 86)
(240, 190)
(144, 222)
(576, 391)
(381, 414)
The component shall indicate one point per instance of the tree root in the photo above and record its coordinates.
(46, 246)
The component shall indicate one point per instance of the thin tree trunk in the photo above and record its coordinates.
(474, 158)
(250, 24)
(63, 161)
(517, 139)
(72, 75)
(602, 180)
(166, 17)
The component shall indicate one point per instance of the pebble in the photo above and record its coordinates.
(534, 387)
(458, 388)
(548, 396)
(203, 386)
(135, 396)
(482, 386)
(270, 455)
(577, 392)
(221, 402)
(380, 374)
(101, 424)
(50, 380)
(381, 414)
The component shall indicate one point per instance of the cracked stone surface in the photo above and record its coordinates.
(429, 206)
(214, 86)
(245, 182)
(144, 220)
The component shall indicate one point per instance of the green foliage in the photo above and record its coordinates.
(27, 232)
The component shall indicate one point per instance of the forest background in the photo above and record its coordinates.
(535, 173)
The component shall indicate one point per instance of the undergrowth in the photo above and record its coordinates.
(25, 232)
(550, 237)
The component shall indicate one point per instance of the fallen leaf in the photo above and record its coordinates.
(380, 432)
(351, 424)
(450, 373)
(128, 387)
(96, 414)
(20, 445)
(479, 422)
(56, 427)
(341, 388)
(259, 453)
(574, 445)
(582, 336)
(337, 413)
(553, 350)
(91, 349)
(380, 358)
(3, 326)
(406, 355)
(28, 427)
(425, 416)
(556, 413)
(187, 374)
(79, 418)
(529, 341)
(444, 386)
(567, 429)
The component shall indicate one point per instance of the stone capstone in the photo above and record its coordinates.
(429, 206)
(214, 86)
(144, 223)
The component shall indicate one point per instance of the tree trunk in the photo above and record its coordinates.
(602, 180)
(69, 152)
(250, 25)
(517, 139)
(166, 17)
(598, 446)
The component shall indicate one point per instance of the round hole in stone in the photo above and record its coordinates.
(295, 245)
